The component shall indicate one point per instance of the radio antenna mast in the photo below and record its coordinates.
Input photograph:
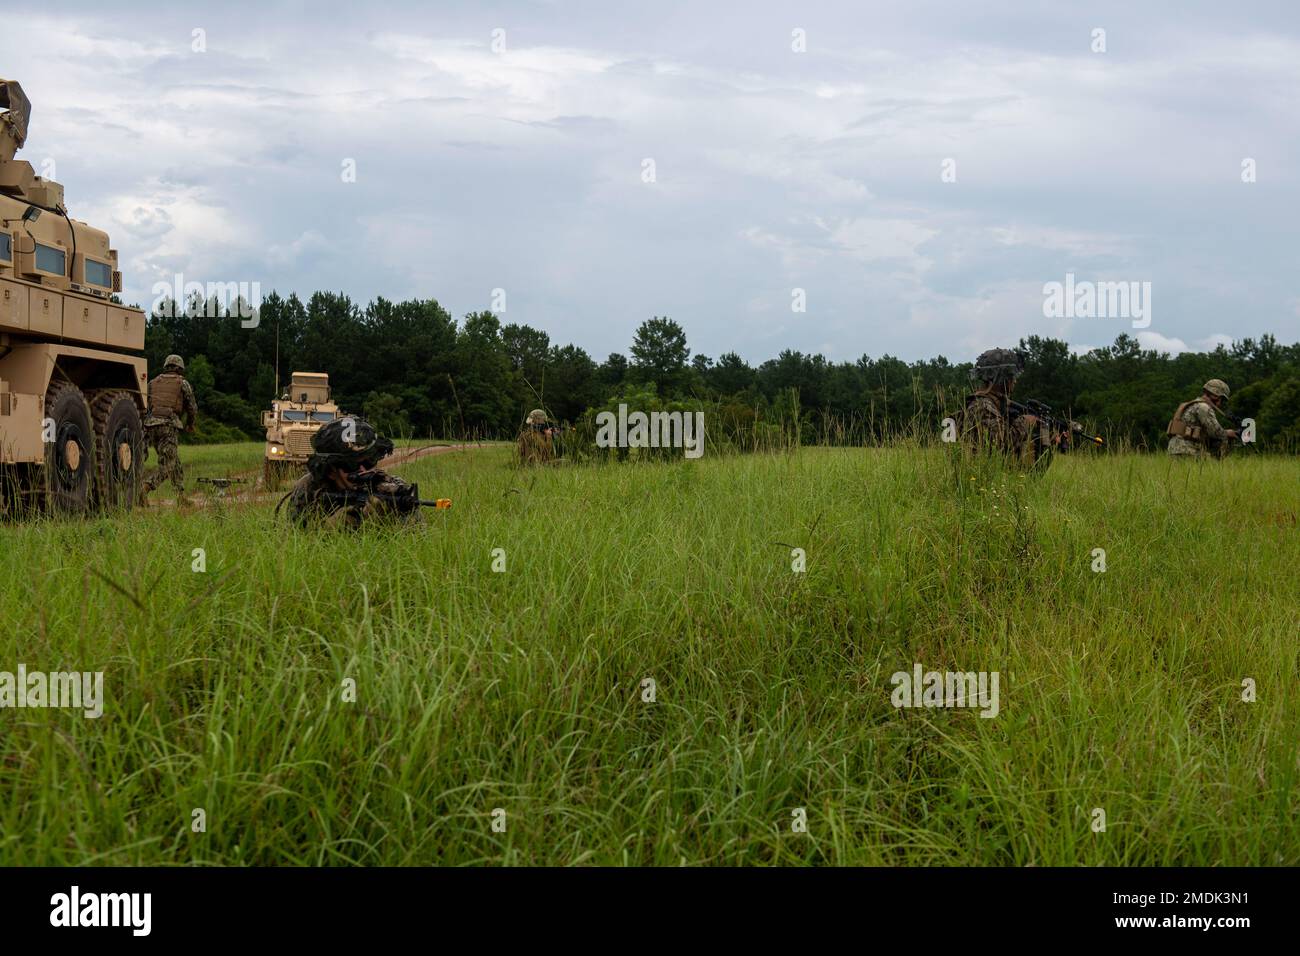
(277, 358)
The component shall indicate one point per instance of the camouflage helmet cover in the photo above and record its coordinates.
(174, 361)
(537, 417)
(347, 443)
(1216, 386)
(998, 365)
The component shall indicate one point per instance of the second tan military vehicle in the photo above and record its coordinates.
(72, 376)
(293, 419)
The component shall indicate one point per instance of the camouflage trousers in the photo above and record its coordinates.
(162, 438)
(1182, 448)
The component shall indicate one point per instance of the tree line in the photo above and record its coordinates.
(412, 369)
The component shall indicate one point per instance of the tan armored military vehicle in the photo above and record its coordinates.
(292, 421)
(72, 379)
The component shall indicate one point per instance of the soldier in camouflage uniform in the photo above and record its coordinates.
(986, 420)
(170, 399)
(536, 439)
(1194, 431)
(342, 473)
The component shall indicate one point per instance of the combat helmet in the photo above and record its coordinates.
(174, 361)
(536, 417)
(998, 365)
(1216, 386)
(331, 447)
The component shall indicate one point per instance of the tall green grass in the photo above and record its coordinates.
(523, 690)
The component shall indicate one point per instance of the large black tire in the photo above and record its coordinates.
(70, 458)
(119, 438)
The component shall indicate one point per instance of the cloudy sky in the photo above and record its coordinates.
(507, 145)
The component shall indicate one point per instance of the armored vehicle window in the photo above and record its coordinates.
(6, 247)
(322, 416)
(51, 260)
(291, 415)
(99, 274)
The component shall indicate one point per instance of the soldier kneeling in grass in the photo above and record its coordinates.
(343, 486)
(536, 439)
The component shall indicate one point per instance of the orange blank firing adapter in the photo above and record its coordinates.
(443, 503)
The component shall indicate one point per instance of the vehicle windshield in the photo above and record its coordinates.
(320, 416)
(293, 415)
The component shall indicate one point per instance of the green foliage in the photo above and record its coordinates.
(524, 690)
(728, 428)
(613, 372)
(208, 431)
(198, 370)
(479, 378)
(1279, 414)
(659, 354)
(261, 387)
(384, 411)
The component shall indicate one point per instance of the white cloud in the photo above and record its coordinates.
(1075, 242)
(1160, 343)
(872, 239)
(284, 255)
(818, 170)
(805, 175)
(165, 229)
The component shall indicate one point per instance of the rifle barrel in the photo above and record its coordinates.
(1044, 412)
(360, 496)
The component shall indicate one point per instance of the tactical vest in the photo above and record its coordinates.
(1180, 429)
(165, 393)
(974, 397)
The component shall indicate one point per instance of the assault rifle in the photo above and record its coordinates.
(404, 500)
(1237, 421)
(221, 484)
(1069, 432)
(1238, 425)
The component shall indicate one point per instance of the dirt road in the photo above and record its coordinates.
(255, 492)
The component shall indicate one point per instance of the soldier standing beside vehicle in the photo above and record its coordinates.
(987, 421)
(170, 399)
(1194, 431)
(343, 478)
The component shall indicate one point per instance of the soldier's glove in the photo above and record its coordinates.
(391, 496)
(405, 498)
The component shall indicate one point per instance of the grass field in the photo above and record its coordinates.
(1120, 691)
